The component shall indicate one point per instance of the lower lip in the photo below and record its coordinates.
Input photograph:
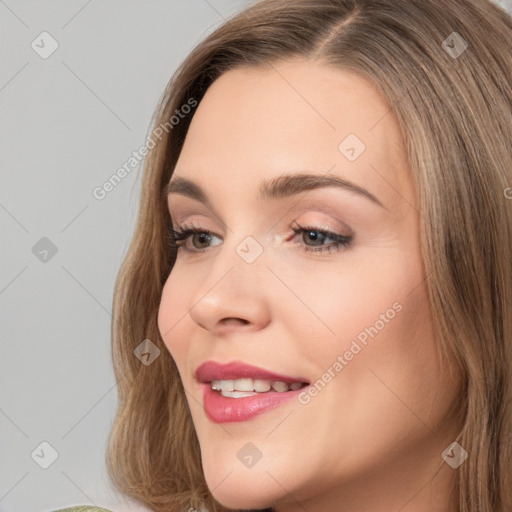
(222, 409)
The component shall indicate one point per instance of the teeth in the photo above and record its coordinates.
(262, 385)
(280, 386)
(237, 388)
(224, 385)
(244, 385)
(237, 394)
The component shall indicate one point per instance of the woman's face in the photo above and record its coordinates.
(344, 311)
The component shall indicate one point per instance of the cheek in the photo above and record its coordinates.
(377, 318)
(172, 320)
(360, 299)
(387, 341)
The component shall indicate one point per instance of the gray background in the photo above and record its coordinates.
(67, 123)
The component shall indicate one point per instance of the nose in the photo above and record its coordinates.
(235, 294)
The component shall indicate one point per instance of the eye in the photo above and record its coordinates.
(317, 237)
(180, 235)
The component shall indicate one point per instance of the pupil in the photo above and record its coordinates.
(203, 237)
(314, 235)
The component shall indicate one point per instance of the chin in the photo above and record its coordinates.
(242, 489)
(242, 498)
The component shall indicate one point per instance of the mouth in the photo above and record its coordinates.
(237, 391)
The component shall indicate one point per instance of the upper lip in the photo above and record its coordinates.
(212, 370)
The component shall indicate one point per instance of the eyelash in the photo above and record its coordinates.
(180, 234)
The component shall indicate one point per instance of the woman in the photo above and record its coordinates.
(314, 311)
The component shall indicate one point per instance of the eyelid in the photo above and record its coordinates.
(184, 215)
(336, 224)
(322, 219)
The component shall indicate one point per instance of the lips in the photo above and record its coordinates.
(211, 370)
(222, 407)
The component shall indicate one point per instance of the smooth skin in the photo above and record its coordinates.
(371, 439)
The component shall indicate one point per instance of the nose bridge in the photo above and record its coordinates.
(241, 260)
(240, 247)
(235, 284)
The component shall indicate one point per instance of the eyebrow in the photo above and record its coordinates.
(275, 188)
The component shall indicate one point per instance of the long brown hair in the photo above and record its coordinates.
(454, 106)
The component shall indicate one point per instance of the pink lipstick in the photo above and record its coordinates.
(238, 392)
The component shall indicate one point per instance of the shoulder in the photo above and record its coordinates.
(83, 508)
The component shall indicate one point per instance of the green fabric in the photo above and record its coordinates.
(83, 508)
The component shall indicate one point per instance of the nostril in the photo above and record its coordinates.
(228, 321)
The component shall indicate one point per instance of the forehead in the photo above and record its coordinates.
(256, 123)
